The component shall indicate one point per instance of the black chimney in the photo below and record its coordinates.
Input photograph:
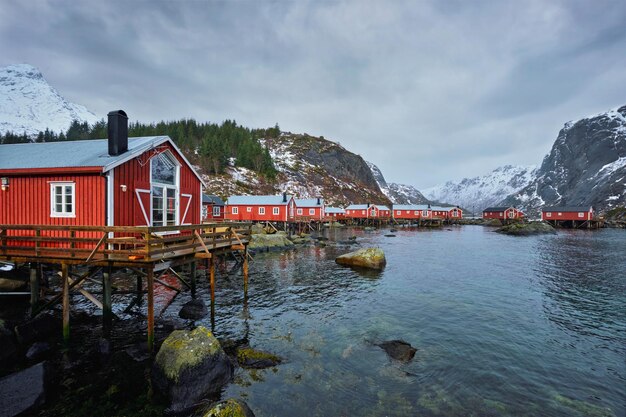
(117, 132)
(284, 197)
(319, 202)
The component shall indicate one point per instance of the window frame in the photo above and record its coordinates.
(164, 186)
(63, 213)
(275, 211)
(311, 212)
(299, 212)
(216, 212)
(234, 210)
(261, 211)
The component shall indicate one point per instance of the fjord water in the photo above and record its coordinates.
(504, 326)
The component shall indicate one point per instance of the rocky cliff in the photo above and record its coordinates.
(397, 193)
(586, 166)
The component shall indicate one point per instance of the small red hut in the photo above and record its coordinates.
(212, 208)
(261, 208)
(334, 213)
(367, 211)
(502, 213)
(144, 181)
(567, 213)
(455, 213)
(310, 208)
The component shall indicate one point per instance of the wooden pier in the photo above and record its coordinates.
(148, 251)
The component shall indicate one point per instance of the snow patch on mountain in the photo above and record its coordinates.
(397, 193)
(28, 104)
(483, 191)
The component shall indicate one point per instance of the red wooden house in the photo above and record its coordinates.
(409, 212)
(109, 182)
(502, 213)
(439, 212)
(367, 211)
(310, 208)
(261, 208)
(335, 213)
(567, 213)
(455, 213)
(212, 208)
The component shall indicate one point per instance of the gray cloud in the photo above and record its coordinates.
(429, 90)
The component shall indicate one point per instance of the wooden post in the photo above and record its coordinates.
(212, 279)
(107, 313)
(150, 283)
(245, 270)
(66, 302)
(193, 279)
(139, 289)
(34, 287)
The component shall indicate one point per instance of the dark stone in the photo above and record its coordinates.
(352, 238)
(24, 391)
(230, 407)
(390, 235)
(321, 238)
(256, 359)
(8, 348)
(393, 230)
(193, 310)
(398, 350)
(38, 351)
(37, 329)
(104, 347)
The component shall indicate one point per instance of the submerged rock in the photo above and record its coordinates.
(230, 407)
(398, 350)
(193, 310)
(526, 229)
(189, 366)
(373, 258)
(390, 235)
(24, 391)
(256, 359)
(276, 241)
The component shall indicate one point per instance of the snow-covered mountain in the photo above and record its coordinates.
(586, 166)
(480, 192)
(29, 104)
(397, 193)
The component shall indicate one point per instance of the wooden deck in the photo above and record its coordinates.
(149, 251)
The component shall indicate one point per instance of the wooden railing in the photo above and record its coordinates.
(140, 244)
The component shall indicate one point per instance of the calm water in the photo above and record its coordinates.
(504, 326)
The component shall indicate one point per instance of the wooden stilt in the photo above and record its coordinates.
(150, 283)
(139, 289)
(66, 302)
(193, 279)
(107, 312)
(212, 279)
(34, 288)
(245, 270)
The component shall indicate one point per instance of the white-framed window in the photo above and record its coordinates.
(548, 214)
(362, 211)
(299, 212)
(164, 190)
(398, 212)
(205, 211)
(425, 213)
(560, 214)
(235, 210)
(275, 211)
(416, 212)
(249, 209)
(311, 212)
(216, 211)
(62, 199)
(581, 215)
(261, 210)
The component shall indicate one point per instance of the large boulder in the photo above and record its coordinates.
(24, 391)
(257, 229)
(276, 241)
(230, 408)
(193, 310)
(373, 258)
(527, 229)
(189, 366)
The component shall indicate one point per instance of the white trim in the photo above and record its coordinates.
(262, 210)
(275, 211)
(175, 186)
(158, 140)
(143, 209)
(234, 210)
(182, 219)
(110, 199)
(62, 213)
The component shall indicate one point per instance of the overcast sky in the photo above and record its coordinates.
(428, 90)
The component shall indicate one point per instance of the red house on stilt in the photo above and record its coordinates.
(261, 208)
(117, 181)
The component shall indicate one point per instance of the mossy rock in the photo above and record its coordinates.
(493, 223)
(277, 240)
(256, 359)
(372, 258)
(526, 229)
(229, 408)
(189, 366)
(584, 408)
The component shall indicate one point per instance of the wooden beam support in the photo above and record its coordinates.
(66, 302)
(193, 279)
(150, 283)
(245, 271)
(212, 279)
(107, 305)
(34, 288)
